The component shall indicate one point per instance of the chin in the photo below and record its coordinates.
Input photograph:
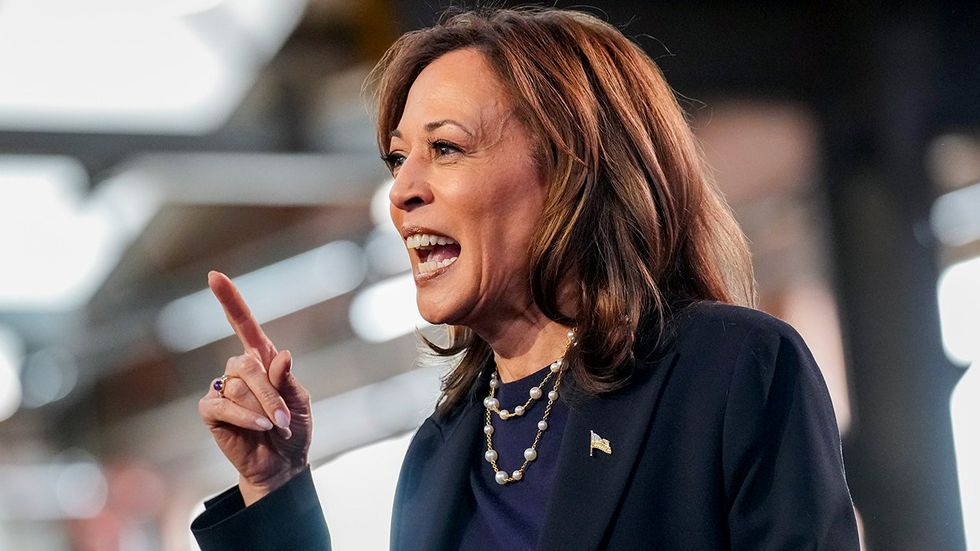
(440, 312)
(432, 313)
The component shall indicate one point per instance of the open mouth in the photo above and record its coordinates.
(435, 252)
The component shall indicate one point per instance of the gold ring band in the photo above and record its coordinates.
(221, 383)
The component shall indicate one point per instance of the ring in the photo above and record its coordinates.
(220, 383)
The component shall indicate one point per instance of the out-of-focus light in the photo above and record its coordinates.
(959, 311)
(71, 486)
(376, 411)
(386, 252)
(954, 216)
(58, 242)
(959, 314)
(11, 352)
(381, 206)
(81, 489)
(954, 160)
(184, 67)
(48, 376)
(386, 310)
(271, 292)
(166, 77)
(964, 411)
(357, 490)
(385, 247)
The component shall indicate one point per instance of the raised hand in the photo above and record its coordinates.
(261, 420)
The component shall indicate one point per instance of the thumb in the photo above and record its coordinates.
(281, 376)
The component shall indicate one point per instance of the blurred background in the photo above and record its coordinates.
(145, 142)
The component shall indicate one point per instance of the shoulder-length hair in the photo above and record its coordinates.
(632, 222)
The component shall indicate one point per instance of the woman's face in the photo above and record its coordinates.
(467, 194)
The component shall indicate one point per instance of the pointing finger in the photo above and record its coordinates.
(240, 317)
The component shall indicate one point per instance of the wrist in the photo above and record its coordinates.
(254, 491)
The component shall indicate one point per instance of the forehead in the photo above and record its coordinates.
(458, 85)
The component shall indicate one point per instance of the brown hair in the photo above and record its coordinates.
(632, 218)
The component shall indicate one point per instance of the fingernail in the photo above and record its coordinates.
(282, 419)
(289, 361)
(264, 423)
(286, 433)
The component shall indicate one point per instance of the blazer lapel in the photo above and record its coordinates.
(587, 489)
(439, 518)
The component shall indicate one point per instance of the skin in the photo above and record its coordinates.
(464, 168)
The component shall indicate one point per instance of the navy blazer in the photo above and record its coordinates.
(724, 439)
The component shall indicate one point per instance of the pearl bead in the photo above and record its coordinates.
(488, 429)
(555, 366)
(500, 477)
(517, 475)
(542, 425)
(530, 454)
(493, 403)
(504, 414)
(494, 383)
(553, 395)
(535, 392)
(571, 334)
(490, 456)
(519, 410)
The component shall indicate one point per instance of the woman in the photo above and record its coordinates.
(613, 391)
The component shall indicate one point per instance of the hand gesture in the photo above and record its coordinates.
(260, 417)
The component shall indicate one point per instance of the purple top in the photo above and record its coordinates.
(511, 516)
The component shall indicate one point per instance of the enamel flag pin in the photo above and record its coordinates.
(597, 442)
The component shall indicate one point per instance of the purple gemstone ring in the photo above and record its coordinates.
(220, 384)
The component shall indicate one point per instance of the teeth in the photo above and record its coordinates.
(426, 267)
(420, 240)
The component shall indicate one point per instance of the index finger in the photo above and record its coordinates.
(240, 317)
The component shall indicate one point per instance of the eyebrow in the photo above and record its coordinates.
(429, 127)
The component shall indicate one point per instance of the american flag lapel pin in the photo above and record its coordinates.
(597, 442)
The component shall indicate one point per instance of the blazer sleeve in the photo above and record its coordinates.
(783, 469)
(288, 519)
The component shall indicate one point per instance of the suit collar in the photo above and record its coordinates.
(439, 522)
(587, 489)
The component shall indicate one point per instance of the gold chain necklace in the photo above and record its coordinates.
(492, 405)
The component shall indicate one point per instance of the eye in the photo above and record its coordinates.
(393, 160)
(443, 148)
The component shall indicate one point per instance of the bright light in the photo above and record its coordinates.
(72, 486)
(357, 490)
(959, 311)
(271, 292)
(386, 310)
(964, 411)
(386, 252)
(381, 206)
(59, 247)
(954, 217)
(959, 314)
(133, 66)
(11, 353)
(81, 490)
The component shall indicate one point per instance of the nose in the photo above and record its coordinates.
(411, 188)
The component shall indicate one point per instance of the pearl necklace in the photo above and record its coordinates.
(492, 405)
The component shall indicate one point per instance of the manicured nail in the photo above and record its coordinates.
(282, 419)
(264, 423)
(289, 360)
(286, 433)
